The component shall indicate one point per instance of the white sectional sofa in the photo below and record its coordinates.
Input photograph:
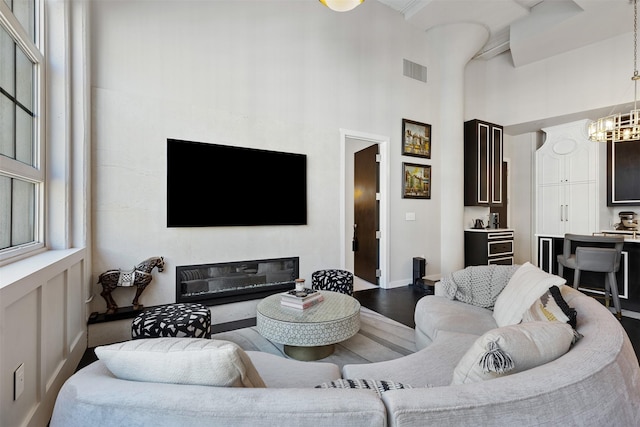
(595, 383)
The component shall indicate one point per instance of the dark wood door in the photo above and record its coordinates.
(501, 210)
(366, 214)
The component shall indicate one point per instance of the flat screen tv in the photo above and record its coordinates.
(218, 185)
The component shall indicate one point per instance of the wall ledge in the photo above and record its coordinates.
(25, 273)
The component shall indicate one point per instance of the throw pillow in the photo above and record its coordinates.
(513, 349)
(525, 286)
(379, 386)
(181, 361)
(551, 306)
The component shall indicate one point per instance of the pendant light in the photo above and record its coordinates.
(624, 126)
(341, 5)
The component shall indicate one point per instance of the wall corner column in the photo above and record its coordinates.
(451, 47)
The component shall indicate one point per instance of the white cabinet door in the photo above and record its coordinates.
(566, 208)
(579, 215)
(550, 168)
(567, 181)
(550, 217)
(580, 165)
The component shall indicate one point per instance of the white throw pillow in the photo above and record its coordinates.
(181, 361)
(516, 347)
(526, 285)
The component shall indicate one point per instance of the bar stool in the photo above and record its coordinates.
(599, 254)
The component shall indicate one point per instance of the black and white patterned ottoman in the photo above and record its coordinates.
(173, 320)
(333, 280)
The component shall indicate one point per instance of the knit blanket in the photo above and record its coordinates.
(477, 285)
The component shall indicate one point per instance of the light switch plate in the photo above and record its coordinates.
(18, 381)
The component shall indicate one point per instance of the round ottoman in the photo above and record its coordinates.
(333, 280)
(173, 320)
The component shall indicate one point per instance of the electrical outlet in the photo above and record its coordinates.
(18, 381)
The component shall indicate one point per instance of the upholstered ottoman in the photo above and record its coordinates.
(173, 320)
(333, 280)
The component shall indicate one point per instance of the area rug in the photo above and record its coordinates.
(379, 339)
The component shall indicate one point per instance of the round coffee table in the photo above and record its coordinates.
(309, 334)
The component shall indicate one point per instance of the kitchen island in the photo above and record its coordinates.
(628, 277)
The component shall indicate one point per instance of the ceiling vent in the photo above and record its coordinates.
(413, 70)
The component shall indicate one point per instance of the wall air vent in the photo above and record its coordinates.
(413, 70)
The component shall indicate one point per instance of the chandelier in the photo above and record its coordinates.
(624, 126)
(341, 5)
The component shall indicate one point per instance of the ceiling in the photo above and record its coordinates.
(531, 30)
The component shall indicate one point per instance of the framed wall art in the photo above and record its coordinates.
(416, 181)
(416, 139)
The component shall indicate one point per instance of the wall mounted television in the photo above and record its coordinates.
(211, 185)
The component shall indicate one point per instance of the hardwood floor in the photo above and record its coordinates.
(399, 304)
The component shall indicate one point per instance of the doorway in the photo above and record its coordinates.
(351, 142)
(365, 214)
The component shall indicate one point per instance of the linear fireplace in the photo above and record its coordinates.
(222, 283)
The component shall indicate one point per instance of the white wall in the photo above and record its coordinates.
(589, 78)
(560, 89)
(521, 153)
(275, 75)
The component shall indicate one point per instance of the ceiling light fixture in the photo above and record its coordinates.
(341, 5)
(626, 126)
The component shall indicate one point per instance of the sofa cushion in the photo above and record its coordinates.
(181, 361)
(526, 285)
(298, 374)
(434, 314)
(513, 349)
(433, 365)
(379, 386)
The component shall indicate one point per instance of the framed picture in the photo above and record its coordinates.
(416, 139)
(416, 181)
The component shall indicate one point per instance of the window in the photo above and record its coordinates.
(22, 175)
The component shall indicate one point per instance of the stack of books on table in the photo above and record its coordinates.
(301, 299)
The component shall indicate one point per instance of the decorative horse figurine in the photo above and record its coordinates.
(140, 277)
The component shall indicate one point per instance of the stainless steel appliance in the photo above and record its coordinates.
(627, 221)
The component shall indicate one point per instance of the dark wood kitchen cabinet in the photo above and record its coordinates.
(623, 173)
(482, 163)
(488, 246)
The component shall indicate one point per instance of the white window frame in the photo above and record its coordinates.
(15, 169)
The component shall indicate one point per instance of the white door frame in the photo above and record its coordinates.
(383, 144)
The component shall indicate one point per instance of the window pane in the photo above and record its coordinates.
(24, 80)
(24, 137)
(7, 62)
(24, 11)
(23, 217)
(5, 212)
(7, 127)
